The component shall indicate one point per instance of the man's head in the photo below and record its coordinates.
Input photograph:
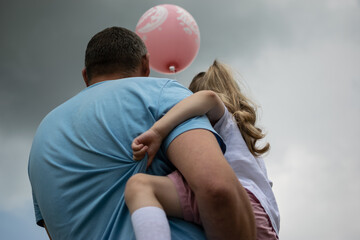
(115, 52)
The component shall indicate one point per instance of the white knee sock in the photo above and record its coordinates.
(150, 223)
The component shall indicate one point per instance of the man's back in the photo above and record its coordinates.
(81, 157)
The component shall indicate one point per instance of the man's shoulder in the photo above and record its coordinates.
(153, 86)
(147, 79)
(154, 81)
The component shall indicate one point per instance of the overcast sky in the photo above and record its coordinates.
(299, 60)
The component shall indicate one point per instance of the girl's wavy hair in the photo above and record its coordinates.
(220, 79)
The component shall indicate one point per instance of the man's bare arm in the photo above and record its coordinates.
(224, 206)
(47, 231)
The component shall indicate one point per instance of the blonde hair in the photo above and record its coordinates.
(219, 79)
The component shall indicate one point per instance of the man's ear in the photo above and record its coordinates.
(85, 77)
(145, 65)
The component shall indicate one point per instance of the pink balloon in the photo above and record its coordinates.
(171, 36)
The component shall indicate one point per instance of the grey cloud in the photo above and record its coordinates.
(299, 58)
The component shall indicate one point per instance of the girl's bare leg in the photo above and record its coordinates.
(149, 199)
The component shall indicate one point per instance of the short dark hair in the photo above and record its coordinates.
(113, 50)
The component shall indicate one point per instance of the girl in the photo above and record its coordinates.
(217, 95)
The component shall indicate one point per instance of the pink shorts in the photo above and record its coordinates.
(264, 229)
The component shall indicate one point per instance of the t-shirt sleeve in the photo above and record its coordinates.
(38, 217)
(172, 93)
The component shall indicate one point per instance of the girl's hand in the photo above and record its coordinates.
(148, 142)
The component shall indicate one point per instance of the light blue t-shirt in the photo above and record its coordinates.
(81, 157)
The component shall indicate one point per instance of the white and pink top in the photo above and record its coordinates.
(250, 171)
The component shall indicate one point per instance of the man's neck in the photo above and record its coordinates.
(107, 77)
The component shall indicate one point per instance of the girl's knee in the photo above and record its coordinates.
(136, 184)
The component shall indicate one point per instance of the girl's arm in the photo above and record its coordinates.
(200, 103)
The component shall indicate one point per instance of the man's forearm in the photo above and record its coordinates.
(223, 204)
(227, 213)
(47, 231)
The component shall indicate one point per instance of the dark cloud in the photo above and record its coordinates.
(43, 45)
(300, 59)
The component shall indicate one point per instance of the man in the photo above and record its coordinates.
(81, 156)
